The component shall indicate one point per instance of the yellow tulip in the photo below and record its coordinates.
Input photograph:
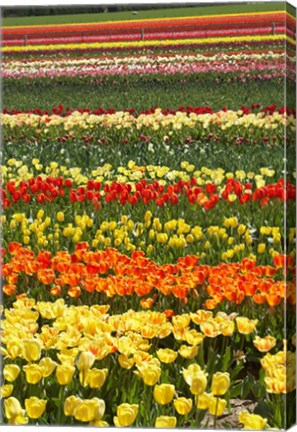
(252, 421)
(6, 390)
(64, 373)
(11, 372)
(201, 316)
(163, 393)
(191, 370)
(261, 248)
(70, 404)
(165, 422)
(193, 337)
(88, 410)
(34, 373)
(216, 406)
(198, 384)
(126, 415)
(58, 307)
(126, 362)
(166, 355)
(245, 325)
(150, 373)
(188, 352)
(227, 328)
(220, 383)
(60, 216)
(203, 400)
(182, 405)
(96, 377)
(264, 344)
(31, 349)
(14, 412)
(35, 407)
(85, 361)
(99, 423)
(13, 348)
(276, 385)
(48, 366)
(210, 328)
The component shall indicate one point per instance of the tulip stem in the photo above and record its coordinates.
(197, 415)
(215, 417)
(61, 405)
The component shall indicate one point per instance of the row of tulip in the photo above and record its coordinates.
(220, 19)
(179, 33)
(162, 58)
(172, 238)
(117, 126)
(17, 171)
(103, 274)
(203, 48)
(41, 191)
(64, 111)
(148, 43)
(244, 70)
(76, 351)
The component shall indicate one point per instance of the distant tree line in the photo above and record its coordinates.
(65, 10)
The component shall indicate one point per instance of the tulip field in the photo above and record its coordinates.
(148, 192)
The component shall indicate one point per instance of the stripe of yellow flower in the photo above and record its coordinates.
(148, 43)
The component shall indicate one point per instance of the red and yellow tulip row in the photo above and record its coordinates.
(113, 274)
(51, 189)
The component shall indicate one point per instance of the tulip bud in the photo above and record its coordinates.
(183, 406)
(166, 355)
(164, 393)
(126, 362)
(216, 406)
(6, 390)
(70, 404)
(188, 352)
(14, 412)
(150, 374)
(31, 349)
(220, 383)
(35, 407)
(126, 415)
(48, 366)
(11, 372)
(199, 382)
(34, 373)
(202, 401)
(89, 410)
(165, 422)
(246, 326)
(12, 407)
(252, 421)
(85, 360)
(65, 373)
(96, 377)
(60, 216)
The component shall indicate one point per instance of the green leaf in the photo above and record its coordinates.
(226, 359)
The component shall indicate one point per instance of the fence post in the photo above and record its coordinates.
(25, 40)
(273, 28)
(142, 34)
